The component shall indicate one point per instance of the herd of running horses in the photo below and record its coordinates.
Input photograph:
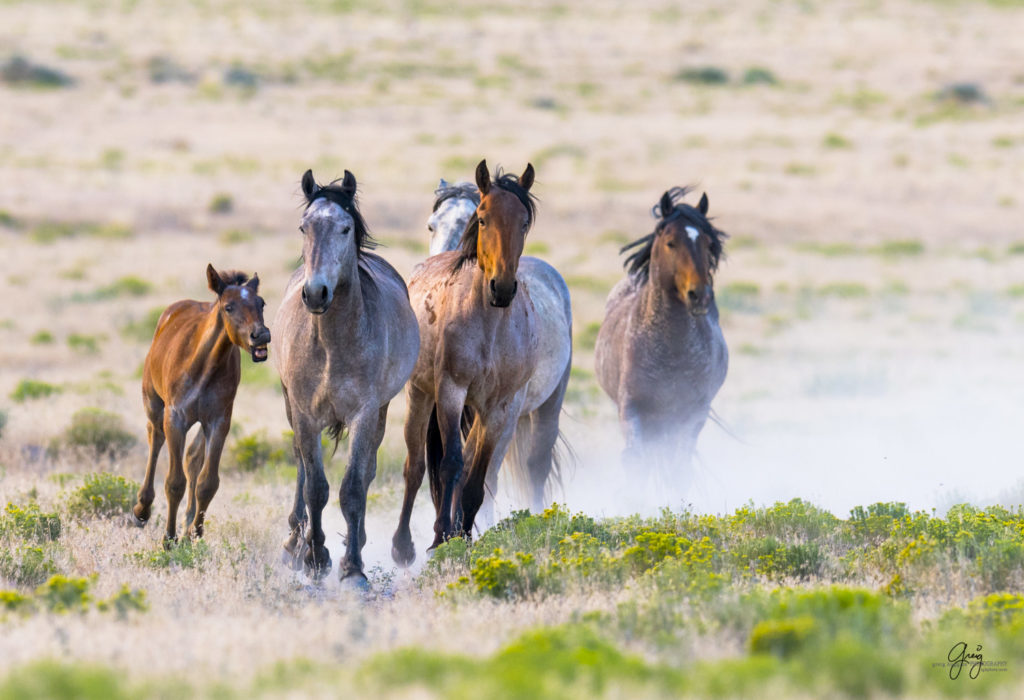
(482, 340)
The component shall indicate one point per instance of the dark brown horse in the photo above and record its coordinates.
(660, 353)
(190, 376)
(479, 348)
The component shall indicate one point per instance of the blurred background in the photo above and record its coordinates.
(865, 158)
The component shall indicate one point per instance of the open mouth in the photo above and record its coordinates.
(259, 353)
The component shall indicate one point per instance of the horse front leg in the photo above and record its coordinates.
(209, 478)
(174, 485)
(451, 399)
(155, 432)
(194, 457)
(295, 547)
(366, 434)
(490, 439)
(317, 558)
(420, 405)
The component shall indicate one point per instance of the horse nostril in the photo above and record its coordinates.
(323, 294)
(515, 286)
(494, 287)
(692, 295)
(305, 297)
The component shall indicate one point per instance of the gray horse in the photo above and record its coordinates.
(349, 341)
(484, 334)
(660, 353)
(533, 460)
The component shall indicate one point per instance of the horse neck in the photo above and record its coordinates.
(491, 316)
(214, 346)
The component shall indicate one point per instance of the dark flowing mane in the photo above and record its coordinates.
(638, 264)
(229, 277)
(347, 201)
(460, 190)
(509, 183)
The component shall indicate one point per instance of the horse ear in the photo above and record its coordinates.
(254, 283)
(309, 186)
(348, 183)
(443, 185)
(213, 279)
(526, 179)
(483, 177)
(665, 205)
(703, 205)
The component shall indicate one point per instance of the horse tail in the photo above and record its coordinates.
(720, 422)
(521, 479)
(336, 432)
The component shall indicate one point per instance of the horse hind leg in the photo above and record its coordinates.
(193, 465)
(174, 485)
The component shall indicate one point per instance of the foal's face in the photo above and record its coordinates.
(447, 224)
(328, 247)
(241, 310)
(681, 260)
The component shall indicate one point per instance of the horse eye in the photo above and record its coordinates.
(482, 222)
(430, 227)
(345, 231)
(230, 308)
(670, 243)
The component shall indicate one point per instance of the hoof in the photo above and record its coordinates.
(403, 552)
(132, 520)
(317, 566)
(170, 542)
(355, 581)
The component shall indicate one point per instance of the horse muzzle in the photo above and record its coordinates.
(317, 298)
(698, 300)
(258, 343)
(503, 294)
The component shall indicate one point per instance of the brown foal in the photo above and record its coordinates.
(190, 376)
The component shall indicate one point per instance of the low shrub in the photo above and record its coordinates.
(99, 432)
(103, 495)
(28, 389)
(29, 523)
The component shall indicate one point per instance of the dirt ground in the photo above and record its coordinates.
(873, 292)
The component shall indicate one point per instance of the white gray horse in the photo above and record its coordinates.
(349, 341)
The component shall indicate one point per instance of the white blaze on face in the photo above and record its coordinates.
(693, 233)
(246, 293)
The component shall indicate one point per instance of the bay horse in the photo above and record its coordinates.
(190, 376)
(660, 352)
(481, 344)
(532, 458)
(349, 340)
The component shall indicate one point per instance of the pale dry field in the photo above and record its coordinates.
(872, 298)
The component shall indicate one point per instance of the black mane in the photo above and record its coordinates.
(509, 183)
(639, 262)
(460, 190)
(230, 277)
(347, 201)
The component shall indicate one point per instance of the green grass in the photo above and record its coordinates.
(898, 248)
(42, 337)
(702, 75)
(833, 140)
(103, 495)
(30, 389)
(127, 286)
